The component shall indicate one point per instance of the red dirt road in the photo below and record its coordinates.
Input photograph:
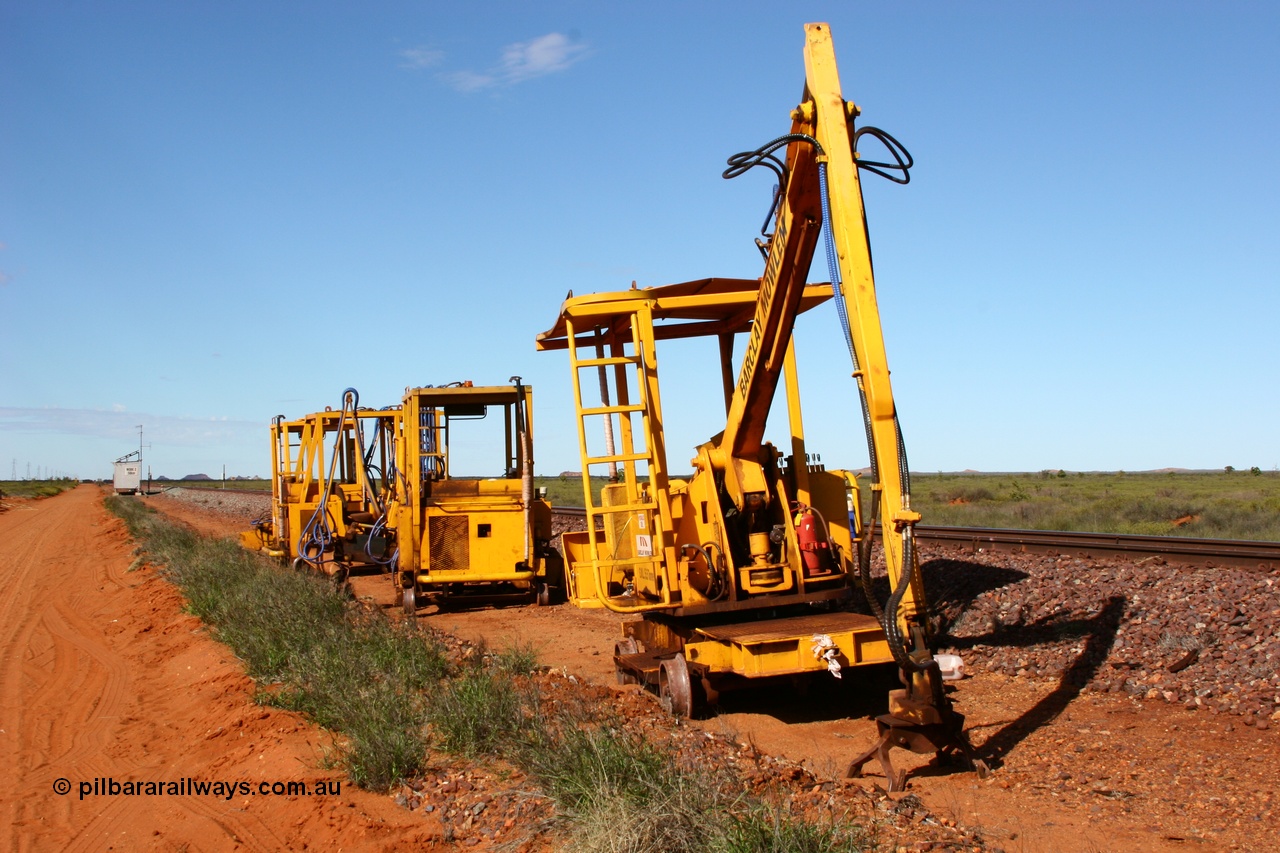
(104, 676)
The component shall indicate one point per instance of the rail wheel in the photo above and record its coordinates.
(675, 689)
(409, 599)
(544, 594)
(625, 646)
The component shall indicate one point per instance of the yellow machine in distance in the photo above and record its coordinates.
(333, 483)
(743, 570)
(360, 487)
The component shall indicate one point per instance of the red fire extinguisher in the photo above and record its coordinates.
(814, 551)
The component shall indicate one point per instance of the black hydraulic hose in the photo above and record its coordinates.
(714, 590)
(901, 156)
(743, 161)
(896, 644)
(763, 156)
(317, 533)
(717, 570)
(864, 560)
(904, 471)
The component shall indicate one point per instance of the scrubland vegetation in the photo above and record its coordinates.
(36, 488)
(1219, 505)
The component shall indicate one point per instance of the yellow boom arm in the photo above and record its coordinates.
(821, 139)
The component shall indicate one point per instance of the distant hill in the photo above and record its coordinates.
(197, 477)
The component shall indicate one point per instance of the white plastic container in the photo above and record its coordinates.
(951, 665)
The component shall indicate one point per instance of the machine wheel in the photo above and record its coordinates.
(410, 600)
(625, 646)
(543, 594)
(675, 690)
(299, 564)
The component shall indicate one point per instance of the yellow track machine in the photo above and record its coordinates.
(744, 570)
(333, 486)
(475, 537)
(376, 488)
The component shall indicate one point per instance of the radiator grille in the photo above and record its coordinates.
(448, 541)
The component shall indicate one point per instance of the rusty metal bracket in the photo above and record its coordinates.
(943, 739)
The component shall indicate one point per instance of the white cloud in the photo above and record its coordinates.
(521, 61)
(536, 57)
(416, 58)
(469, 81)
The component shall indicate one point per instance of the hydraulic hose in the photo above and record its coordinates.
(716, 586)
(888, 615)
(317, 534)
(842, 311)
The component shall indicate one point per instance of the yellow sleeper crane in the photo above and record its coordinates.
(745, 569)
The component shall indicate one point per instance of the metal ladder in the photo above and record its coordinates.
(632, 515)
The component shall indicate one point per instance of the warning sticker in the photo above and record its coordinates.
(644, 545)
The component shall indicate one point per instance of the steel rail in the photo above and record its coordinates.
(178, 484)
(1249, 554)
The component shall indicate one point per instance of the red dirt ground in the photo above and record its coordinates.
(103, 675)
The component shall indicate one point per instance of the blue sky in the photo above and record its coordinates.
(213, 213)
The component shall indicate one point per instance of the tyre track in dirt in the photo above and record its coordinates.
(103, 675)
(44, 663)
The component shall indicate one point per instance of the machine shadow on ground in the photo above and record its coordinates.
(1099, 634)
(818, 697)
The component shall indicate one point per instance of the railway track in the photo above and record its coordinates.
(1247, 554)
(1263, 556)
